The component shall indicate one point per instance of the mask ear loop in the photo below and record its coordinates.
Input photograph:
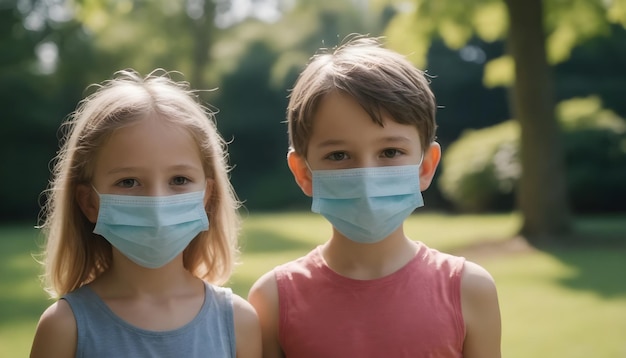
(306, 162)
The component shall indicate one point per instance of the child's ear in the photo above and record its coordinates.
(301, 172)
(429, 165)
(88, 202)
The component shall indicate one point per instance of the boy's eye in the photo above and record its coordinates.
(391, 153)
(127, 183)
(180, 181)
(337, 156)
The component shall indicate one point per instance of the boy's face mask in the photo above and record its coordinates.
(151, 230)
(367, 204)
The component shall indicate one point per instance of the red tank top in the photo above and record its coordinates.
(414, 312)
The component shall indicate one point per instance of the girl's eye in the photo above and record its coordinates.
(127, 183)
(391, 153)
(337, 156)
(180, 181)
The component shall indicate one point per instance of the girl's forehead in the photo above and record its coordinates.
(148, 144)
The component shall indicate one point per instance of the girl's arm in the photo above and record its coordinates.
(481, 313)
(56, 332)
(247, 329)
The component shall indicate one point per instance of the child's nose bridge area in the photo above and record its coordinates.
(370, 159)
(156, 191)
(157, 188)
(367, 162)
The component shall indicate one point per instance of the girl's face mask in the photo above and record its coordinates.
(151, 230)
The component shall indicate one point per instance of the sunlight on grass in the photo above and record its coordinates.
(15, 339)
(305, 228)
(449, 232)
(544, 318)
(22, 299)
(443, 232)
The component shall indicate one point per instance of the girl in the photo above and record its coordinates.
(141, 224)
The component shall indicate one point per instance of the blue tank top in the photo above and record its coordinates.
(101, 333)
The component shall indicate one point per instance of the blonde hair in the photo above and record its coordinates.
(74, 255)
(381, 80)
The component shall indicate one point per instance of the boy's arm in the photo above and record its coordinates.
(481, 313)
(247, 329)
(264, 298)
(56, 333)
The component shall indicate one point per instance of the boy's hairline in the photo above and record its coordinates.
(384, 113)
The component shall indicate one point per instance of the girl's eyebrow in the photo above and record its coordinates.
(186, 167)
(119, 170)
(129, 169)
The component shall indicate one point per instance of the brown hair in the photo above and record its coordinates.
(381, 80)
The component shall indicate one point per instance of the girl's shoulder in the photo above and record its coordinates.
(56, 332)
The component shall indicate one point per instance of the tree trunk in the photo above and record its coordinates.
(542, 193)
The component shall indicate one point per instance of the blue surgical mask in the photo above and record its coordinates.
(367, 204)
(151, 230)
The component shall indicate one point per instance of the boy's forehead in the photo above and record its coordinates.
(341, 118)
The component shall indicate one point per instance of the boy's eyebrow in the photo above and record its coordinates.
(330, 143)
(389, 139)
(397, 138)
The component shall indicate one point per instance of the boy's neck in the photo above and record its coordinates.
(368, 261)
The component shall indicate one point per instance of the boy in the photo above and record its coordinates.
(361, 130)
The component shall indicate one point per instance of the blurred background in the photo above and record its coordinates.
(251, 51)
(532, 101)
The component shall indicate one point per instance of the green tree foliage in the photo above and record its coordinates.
(144, 35)
(568, 24)
(536, 32)
(252, 119)
(39, 68)
(596, 67)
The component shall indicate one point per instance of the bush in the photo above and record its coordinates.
(481, 169)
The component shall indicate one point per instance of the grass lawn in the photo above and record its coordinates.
(558, 302)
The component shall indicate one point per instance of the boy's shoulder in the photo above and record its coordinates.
(438, 258)
(476, 281)
(267, 282)
(312, 258)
